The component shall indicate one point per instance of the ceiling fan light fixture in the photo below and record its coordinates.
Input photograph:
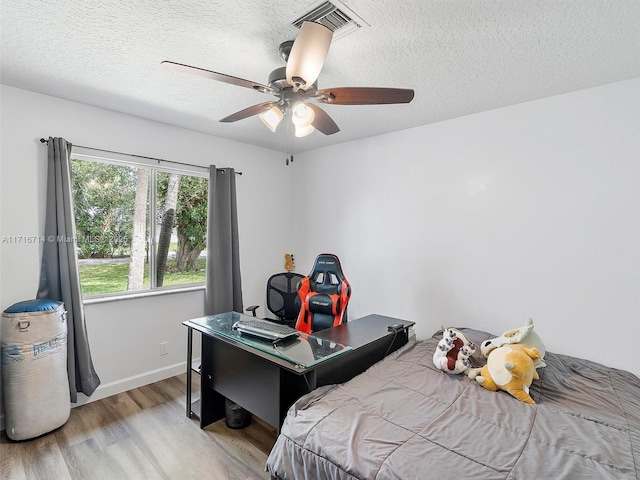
(301, 115)
(308, 54)
(304, 131)
(272, 118)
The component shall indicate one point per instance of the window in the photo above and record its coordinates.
(139, 226)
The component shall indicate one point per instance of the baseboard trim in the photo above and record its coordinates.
(125, 384)
(135, 381)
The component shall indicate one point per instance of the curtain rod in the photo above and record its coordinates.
(44, 140)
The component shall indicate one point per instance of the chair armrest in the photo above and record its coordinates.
(252, 309)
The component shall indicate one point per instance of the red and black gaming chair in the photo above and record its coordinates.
(324, 293)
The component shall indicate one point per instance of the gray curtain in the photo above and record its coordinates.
(59, 278)
(224, 288)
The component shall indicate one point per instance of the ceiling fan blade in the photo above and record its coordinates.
(308, 54)
(249, 112)
(322, 121)
(364, 95)
(220, 77)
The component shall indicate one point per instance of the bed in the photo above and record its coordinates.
(404, 419)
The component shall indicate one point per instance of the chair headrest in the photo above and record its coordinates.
(329, 266)
(327, 262)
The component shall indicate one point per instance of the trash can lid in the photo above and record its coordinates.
(35, 305)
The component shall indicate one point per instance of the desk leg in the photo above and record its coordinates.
(211, 401)
(189, 372)
(292, 387)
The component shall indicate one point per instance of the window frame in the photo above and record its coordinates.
(154, 166)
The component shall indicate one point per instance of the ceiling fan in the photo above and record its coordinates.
(296, 87)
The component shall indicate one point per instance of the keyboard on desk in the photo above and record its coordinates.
(265, 329)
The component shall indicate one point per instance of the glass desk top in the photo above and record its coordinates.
(304, 351)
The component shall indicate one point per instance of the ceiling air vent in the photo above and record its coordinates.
(335, 16)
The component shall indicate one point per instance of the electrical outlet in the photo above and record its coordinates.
(164, 348)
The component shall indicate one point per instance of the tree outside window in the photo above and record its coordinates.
(138, 227)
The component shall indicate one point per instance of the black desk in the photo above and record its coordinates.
(267, 385)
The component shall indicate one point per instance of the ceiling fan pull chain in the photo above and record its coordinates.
(289, 143)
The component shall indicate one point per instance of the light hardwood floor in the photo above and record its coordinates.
(140, 434)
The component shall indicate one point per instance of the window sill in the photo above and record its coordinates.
(143, 294)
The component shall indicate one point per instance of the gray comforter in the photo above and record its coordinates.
(403, 419)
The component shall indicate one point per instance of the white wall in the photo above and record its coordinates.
(125, 335)
(483, 221)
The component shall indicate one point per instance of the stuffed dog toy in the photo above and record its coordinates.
(453, 352)
(510, 368)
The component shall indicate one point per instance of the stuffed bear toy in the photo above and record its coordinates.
(453, 352)
(509, 368)
(523, 334)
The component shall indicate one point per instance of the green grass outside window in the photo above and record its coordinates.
(112, 277)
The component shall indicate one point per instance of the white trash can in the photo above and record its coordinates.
(34, 368)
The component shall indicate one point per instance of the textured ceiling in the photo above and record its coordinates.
(460, 57)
